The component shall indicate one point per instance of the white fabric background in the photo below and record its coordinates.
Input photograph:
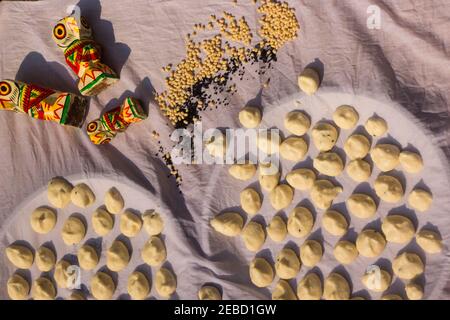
(403, 62)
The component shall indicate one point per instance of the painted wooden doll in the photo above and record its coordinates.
(44, 104)
(83, 55)
(103, 130)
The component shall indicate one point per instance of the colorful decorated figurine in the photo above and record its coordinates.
(44, 104)
(83, 55)
(103, 130)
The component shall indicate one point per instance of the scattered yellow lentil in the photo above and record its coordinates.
(278, 23)
(207, 58)
(155, 134)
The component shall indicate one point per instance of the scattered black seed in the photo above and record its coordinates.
(200, 100)
(264, 55)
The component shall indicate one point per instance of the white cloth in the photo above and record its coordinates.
(403, 62)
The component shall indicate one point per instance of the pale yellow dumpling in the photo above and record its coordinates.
(309, 81)
(300, 222)
(43, 220)
(165, 282)
(324, 136)
(420, 200)
(370, 243)
(346, 117)
(250, 117)
(359, 170)
(209, 293)
(301, 179)
(407, 266)
(376, 279)
(73, 231)
(114, 201)
(58, 192)
(138, 286)
(411, 162)
(345, 252)
(269, 176)
(17, 287)
(357, 146)
(102, 286)
(323, 193)
(130, 224)
(297, 122)
(429, 241)
(261, 272)
(77, 295)
(336, 287)
(20, 256)
(254, 236)
(283, 291)
(229, 223)
(281, 196)
(250, 201)
(269, 141)
(102, 222)
(361, 205)
(385, 156)
(117, 256)
(43, 289)
(388, 188)
(310, 287)
(391, 297)
(154, 252)
(311, 253)
(329, 164)
(293, 149)
(376, 126)
(287, 264)
(269, 167)
(334, 223)
(82, 196)
(45, 259)
(87, 257)
(242, 171)
(64, 275)
(153, 222)
(398, 229)
(414, 291)
(277, 229)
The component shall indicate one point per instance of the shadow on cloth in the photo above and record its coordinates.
(121, 163)
(114, 54)
(143, 92)
(34, 69)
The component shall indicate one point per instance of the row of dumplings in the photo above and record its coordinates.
(324, 135)
(369, 243)
(43, 220)
(396, 229)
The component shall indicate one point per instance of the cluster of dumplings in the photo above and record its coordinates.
(102, 286)
(322, 192)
